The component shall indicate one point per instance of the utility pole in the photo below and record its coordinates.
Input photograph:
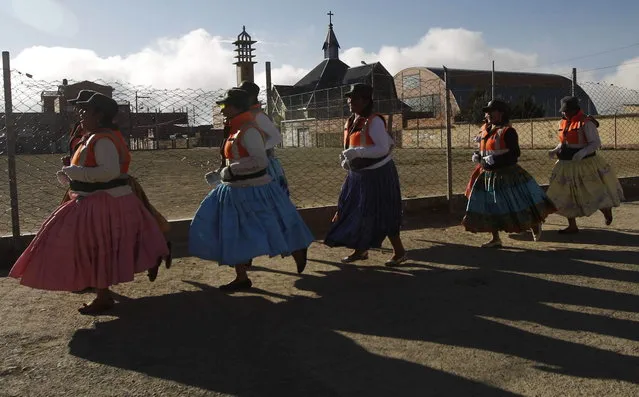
(137, 120)
(492, 83)
(136, 100)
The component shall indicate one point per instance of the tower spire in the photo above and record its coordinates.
(331, 46)
(245, 62)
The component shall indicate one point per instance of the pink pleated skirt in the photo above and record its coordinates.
(95, 241)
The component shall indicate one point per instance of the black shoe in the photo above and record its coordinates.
(237, 285)
(568, 231)
(152, 273)
(168, 260)
(300, 256)
(84, 291)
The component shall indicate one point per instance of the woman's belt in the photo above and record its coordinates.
(363, 162)
(567, 153)
(89, 187)
(236, 178)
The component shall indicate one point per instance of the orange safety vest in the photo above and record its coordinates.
(492, 141)
(233, 148)
(356, 131)
(75, 137)
(86, 151)
(572, 132)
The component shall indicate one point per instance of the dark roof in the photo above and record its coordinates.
(286, 90)
(333, 81)
(85, 83)
(331, 39)
(545, 89)
(329, 73)
(374, 74)
(358, 74)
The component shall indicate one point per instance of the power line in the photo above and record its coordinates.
(591, 55)
(580, 57)
(611, 66)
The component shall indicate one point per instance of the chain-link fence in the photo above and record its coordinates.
(174, 136)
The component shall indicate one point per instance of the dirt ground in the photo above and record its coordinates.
(554, 318)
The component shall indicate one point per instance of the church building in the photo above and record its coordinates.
(312, 112)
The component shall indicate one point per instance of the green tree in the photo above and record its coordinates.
(526, 108)
(472, 112)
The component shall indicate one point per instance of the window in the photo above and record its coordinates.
(410, 82)
(425, 104)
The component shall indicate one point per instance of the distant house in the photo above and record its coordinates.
(143, 125)
(159, 126)
(56, 101)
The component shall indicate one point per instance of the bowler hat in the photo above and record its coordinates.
(250, 87)
(101, 102)
(569, 103)
(360, 90)
(236, 97)
(498, 105)
(83, 95)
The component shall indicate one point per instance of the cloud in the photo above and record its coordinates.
(200, 60)
(454, 48)
(187, 73)
(285, 74)
(617, 89)
(625, 75)
(195, 60)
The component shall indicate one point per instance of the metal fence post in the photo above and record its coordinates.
(615, 129)
(449, 144)
(269, 99)
(532, 134)
(11, 144)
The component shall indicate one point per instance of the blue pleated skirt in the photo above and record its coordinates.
(369, 209)
(507, 199)
(276, 172)
(236, 224)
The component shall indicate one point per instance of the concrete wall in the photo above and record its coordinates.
(318, 219)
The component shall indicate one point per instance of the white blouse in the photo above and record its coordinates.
(256, 161)
(273, 135)
(382, 144)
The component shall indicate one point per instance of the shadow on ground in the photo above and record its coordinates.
(246, 345)
(593, 237)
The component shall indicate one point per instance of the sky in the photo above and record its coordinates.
(187, 44)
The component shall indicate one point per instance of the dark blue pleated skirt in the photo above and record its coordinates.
(369, 209)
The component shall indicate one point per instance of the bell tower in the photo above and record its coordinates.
(244, 63)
